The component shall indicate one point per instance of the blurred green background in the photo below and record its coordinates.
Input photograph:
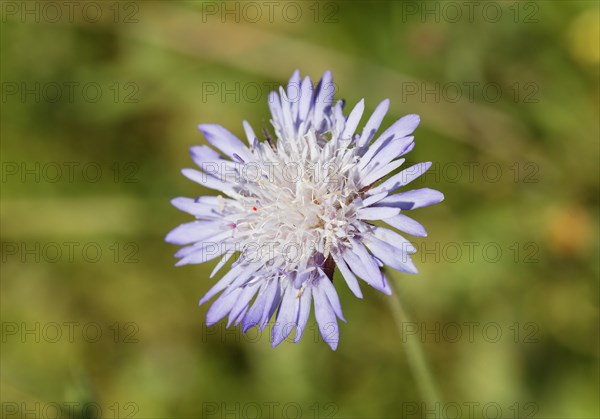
(99, 108)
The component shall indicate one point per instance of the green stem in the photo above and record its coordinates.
(414, 352)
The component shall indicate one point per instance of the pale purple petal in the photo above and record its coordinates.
(248, 274)
(386, 289)
(196, 208)
(272, 302)
(221, 263)
(221, 306)
(248, 292)
(376, 213)
(403, 178)
(323, 98)
(373, 123)
(255, 313)
(327, 287)
(407, 224)
(394, 239)
(250, 135)
(224, 282)
(379, 173)
(326, 319)
(275, 107)
(338, 113)
(416, 198)
(225, 141)
(303, 312)
(363, 265)
(207, 181)
(306, 99)
(353, 120)
(194, 231)
(286, 317)
(348, 276)
(205, 252)
(240, 317)
(370, 200)
(402, 127)
(293, 94)
(202, 154)
(390, 255)
(288, 119)
(382, 151)
(388, 151)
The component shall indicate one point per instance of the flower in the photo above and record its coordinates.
(296, 208)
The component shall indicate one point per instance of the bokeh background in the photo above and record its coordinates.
(99, 107)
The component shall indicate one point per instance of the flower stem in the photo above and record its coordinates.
(414, 352)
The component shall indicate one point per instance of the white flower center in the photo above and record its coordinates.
(303, 206)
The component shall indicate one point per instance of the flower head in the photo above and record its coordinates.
(296, 206)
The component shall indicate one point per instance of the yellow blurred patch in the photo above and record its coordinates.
(569, 231)
(584, 37)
